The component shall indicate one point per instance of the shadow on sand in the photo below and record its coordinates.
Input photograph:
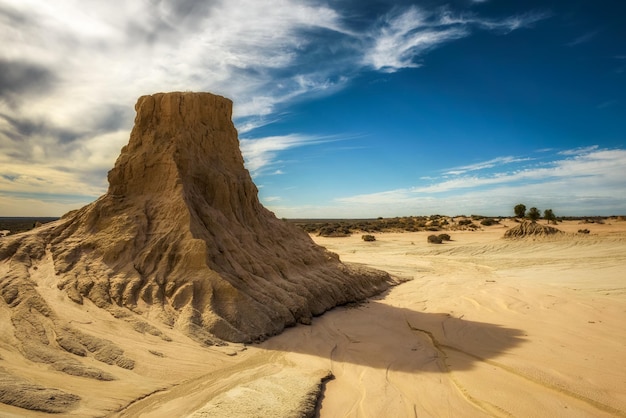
(377, 335)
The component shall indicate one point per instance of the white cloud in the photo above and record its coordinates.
(36, 205)
(584, 180)
(401, 37)
(404, 35)
(511, 23)
(261, 153)
(484, 165)
(506, 25)
(579, 151)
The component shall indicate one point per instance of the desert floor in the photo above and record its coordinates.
(485, 327)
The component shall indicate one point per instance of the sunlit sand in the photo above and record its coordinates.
(487, 326)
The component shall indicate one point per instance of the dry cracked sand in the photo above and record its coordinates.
(486, 327)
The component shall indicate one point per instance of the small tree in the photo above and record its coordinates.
(520, 210)
(534, 214)
(548, 215)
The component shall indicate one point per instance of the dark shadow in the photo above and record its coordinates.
(377, 335)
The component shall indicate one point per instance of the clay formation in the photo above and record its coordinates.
(181, 236)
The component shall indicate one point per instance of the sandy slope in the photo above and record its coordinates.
(487, 327)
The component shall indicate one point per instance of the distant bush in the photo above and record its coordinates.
(534, 214)
(434, 239)
(334, 231)
(368, 238)
(489, 222)
(520, 210)
(465, 221)
(549, 216)
(444, 237)
(583, 231)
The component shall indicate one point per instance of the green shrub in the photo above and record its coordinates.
(534, 214)
(520, 210)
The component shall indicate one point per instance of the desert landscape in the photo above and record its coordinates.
(484, 327)
(178, 294)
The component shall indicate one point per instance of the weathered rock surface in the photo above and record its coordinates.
(181, 236)
(28, 395)
(531, 229)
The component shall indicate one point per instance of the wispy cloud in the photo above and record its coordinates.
(260, 154)
(579, 151)
(584, 38)
(403, 36)
(512, 23)
(592, 177)
(498, 161)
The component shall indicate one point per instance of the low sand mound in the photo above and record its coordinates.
(531, 229)
(181, 236)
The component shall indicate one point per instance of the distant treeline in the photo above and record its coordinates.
(21, 224)
(345, 227)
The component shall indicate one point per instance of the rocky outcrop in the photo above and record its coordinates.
(531, 229)
(181, 235)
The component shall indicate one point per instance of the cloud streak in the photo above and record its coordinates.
(260, 154)
(593, 177)
(485, 165)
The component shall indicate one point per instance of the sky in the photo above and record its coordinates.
(344, 108)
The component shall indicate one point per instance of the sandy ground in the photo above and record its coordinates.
(486, 327)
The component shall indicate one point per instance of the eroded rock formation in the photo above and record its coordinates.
(531, 229)
(181, 235)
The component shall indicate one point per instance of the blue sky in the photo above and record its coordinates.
(344, 108)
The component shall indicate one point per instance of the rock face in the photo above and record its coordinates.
(181, 235)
